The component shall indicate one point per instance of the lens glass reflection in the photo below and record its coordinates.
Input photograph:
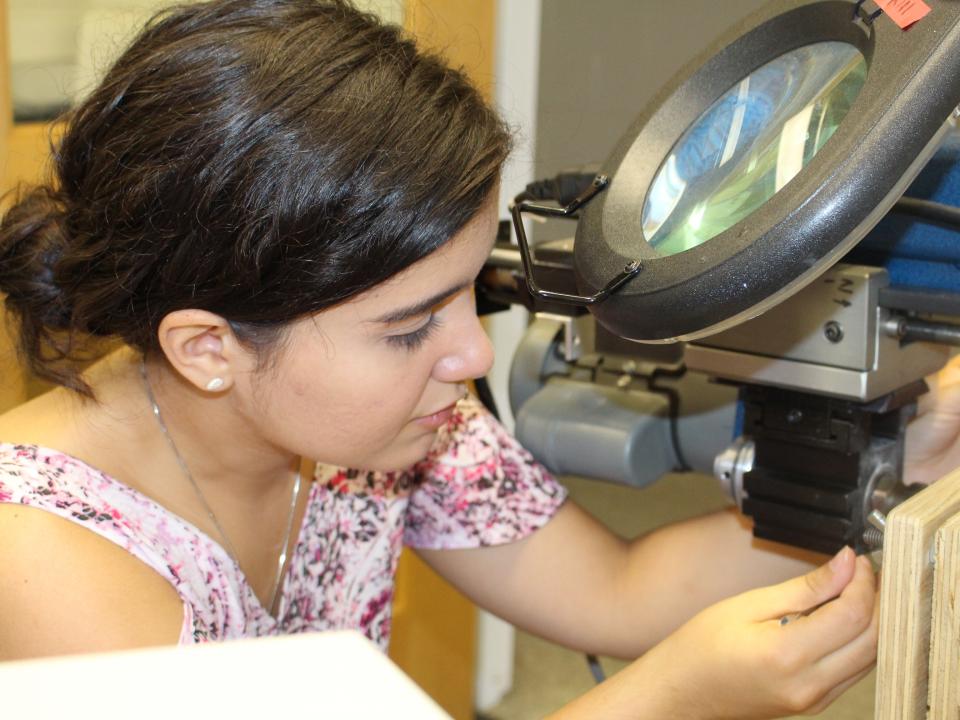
(750, 143)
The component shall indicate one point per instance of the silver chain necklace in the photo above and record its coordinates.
(295, 495)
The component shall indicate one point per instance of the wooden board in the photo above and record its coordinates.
(434, 636)
(12, 383)
(6, 107)
(27, 159)
(460, 30)
(906, 599)
(945, 626)
(29, 153)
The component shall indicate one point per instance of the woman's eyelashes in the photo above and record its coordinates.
(413, 340)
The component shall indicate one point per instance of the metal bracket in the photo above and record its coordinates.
(629, 271)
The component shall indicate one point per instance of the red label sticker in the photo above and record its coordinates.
(904, 12)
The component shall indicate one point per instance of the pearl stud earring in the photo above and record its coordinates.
(215, 384)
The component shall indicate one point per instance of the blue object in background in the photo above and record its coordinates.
(920, 253)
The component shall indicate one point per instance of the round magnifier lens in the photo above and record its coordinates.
(750, 143)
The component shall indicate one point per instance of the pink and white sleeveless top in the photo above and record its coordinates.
(477, 487)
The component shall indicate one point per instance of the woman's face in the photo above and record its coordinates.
(366, 384)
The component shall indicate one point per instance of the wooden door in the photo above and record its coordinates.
(12, 378)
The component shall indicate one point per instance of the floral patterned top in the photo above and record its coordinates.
(477, 487)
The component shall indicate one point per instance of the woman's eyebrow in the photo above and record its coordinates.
(420, 308)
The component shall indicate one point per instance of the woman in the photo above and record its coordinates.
(277, 208)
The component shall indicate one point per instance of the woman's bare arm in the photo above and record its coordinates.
(65, 589)
(575, 582)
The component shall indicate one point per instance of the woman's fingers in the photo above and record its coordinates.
(841, 621)
(851, 648)
(805, 592)
(931, 437)
(859, 652)
(760, 668)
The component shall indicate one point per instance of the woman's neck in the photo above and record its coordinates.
(215, 436)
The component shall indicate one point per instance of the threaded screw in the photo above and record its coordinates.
(873, 538)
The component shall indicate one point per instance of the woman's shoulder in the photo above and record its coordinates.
(72, 580)
(67, 589)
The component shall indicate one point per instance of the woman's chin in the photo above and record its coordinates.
(402, 457)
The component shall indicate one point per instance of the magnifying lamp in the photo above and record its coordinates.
(760, 166)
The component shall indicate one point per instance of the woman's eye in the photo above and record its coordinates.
(413, 340)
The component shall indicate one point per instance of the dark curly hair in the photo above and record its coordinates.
(260, 159)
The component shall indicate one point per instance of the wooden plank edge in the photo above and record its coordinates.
(906, 602)
(944, 698)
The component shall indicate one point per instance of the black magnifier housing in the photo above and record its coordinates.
(647, 278)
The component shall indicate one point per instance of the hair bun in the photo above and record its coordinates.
(31, 240)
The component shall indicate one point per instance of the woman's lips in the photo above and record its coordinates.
(437, 419)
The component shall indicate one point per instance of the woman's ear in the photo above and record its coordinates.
(202, 347)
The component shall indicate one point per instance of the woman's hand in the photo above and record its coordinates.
(933, 438)
(736, 660)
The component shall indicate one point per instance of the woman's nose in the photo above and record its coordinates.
(470, 354)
